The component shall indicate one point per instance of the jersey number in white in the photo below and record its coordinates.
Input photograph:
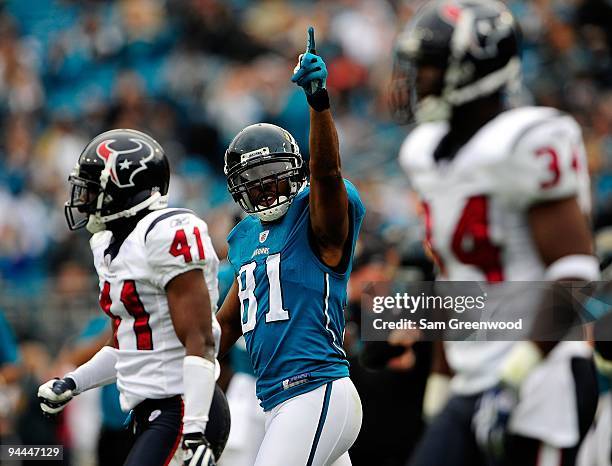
(246, 293)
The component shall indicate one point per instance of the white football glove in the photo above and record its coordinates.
(55, 394)
(197, 451)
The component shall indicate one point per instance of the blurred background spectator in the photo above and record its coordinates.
(10, 373)
(194, 72)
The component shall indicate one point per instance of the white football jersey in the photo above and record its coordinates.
(475, 207)
(164, 244)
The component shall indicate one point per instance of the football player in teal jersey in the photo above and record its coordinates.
(292, 257)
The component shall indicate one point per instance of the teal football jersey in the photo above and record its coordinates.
(291, 304)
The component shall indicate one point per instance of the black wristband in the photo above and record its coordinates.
(194, 436)
(319, 101)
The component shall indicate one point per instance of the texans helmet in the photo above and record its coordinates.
(472, 44)
(264, 170)
(119, 173)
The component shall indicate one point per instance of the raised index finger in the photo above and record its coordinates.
(310, 43)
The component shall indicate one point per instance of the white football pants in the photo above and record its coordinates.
(313, 429)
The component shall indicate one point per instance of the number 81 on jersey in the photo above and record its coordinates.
(246, 292)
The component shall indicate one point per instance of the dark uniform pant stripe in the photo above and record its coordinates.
(315, 442)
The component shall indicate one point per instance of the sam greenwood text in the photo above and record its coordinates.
(452, 324)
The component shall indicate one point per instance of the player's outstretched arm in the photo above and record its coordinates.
(98, 370)
(329, 217)
(190, 309)
(229, 320)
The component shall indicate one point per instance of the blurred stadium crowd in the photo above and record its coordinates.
(192, 73)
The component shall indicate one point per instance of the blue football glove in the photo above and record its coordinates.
(490, 421)
(310, 72)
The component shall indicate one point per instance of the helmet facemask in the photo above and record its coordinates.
(83, 200)
(90, 205)
(266, 186)
(411, 101)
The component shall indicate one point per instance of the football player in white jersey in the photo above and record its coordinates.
(505, 195)
(158, 284)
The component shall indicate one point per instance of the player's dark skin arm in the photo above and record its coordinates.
(229, 320)
(329, 218)
(558, 229)
(189, 304)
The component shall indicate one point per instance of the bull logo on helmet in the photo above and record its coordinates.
(126, 163)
